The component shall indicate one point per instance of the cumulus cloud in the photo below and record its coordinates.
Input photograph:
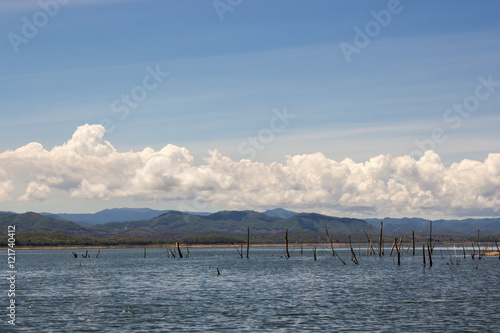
(6, 187)
(89, 167)
(35, 192)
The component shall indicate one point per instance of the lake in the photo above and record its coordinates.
(121, 291)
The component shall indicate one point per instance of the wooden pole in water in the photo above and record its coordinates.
(423, 253)
(314, 253)
(496, 243)
(354, 259)
(248, 240)
(456, 256)
(380, 239)
(178, 249)
(239, 252)
(430, 254)
(413, 240)
(430, 237)
(478, 246)
(287, 254)
(393, 244)
(449, 254)
(330, 238)
(144, 252)
(398, 248)
(370, 249)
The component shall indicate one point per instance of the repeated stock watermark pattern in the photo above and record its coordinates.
(248, 148)
(265, 136)
(223, 6)
(455, 115)
(131, 100)
(122, 107)
(31, 26)
(372, 29)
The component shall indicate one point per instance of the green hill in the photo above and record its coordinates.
(183, 224)
(35, 222)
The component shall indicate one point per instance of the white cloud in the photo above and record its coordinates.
(87, 190)
(88, 167)
(35, 192)
(6, 187)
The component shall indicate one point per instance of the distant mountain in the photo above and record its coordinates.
(137, 214)
(280, 212)
(174, 224)
(439, 227)
(112, 215)
(317, 222)
(36, 222)
(178, 223)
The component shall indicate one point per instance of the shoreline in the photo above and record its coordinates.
(166, 246)
(93, 247)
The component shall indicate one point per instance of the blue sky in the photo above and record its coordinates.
(228, 77)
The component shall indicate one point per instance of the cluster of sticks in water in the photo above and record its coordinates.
(397, 244)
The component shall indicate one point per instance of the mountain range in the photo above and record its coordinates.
(136, 214)
(181, 224)
(149, 223)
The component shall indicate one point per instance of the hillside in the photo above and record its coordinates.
(439, 227)
(112, 215)
(178, 224)
(35, 222)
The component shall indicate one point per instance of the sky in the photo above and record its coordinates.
(347, 108)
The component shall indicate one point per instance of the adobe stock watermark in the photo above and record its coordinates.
(130, 101)
(31, 26)
(372, 29)
(265, 136)
(456, 115)
(200, 203)
(223, 6)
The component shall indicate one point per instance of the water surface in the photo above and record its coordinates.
(122, 291)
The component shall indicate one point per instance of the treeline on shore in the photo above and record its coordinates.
(49, 239)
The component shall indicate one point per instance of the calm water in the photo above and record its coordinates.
(122, 291)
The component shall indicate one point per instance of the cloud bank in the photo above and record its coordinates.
(89, 167)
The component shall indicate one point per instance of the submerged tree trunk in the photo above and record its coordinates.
(287, 254)
(354, 259)
(248, 240)
(423, 253)
(178, 249)
(380, 240)
(393, 244)
(430, 238)
(430, 254)
(369, 250)
(239, 252)
(496, 243)
(413, 240)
